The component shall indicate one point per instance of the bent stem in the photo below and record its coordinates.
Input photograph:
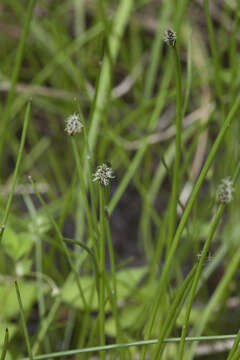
(89, 251)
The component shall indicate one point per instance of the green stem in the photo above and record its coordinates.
(156, 51)
(196, 279)
(212, 231)
(15, 74)
(89, 251)
(216, 297)
(102, 269)
(38, 256)
(82, 182)
(166, 270)
(102, 90)
(178, 300)
(114, 283)
(24, 325)
(236, 355)
(136, 161)
(16, 170)
(235, 347)
(136, 343)
(220, 291)
(233, 53)
(178, 141)
(62, 243)
(215, 55)
(5, 345)
(84, 192)
(45, 324)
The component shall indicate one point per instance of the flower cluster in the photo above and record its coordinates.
(73, 125)
(103, 175)
(170, 37)
(225, 191)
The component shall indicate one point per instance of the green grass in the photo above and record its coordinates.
(148, 265)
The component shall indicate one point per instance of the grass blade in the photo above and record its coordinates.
(5, 345)
(235, 346)
(16, 170)
(136, 343)
(165, 273)
(24, 324)
(15, 73)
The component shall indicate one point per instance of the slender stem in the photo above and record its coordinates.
(39, 270)
(235, 346)
(69, 329)
(39, 258)
(166, 270)
(84, 193)
(178, 299)
(81, 180)
(15, 73)
(62, 243)
(45, 324)
(136, 161)
(217, 297)
(102, 269)
(156, 51)
(16, 170)
(221, 289)
(102, 90)
(213, 47)
(178, 142)
(189, 74)
(89, 251)
(136, 343)
(114, 283)
(233, 51)
(24, 324)
(5, 345)
(213, 228)
(236, 355)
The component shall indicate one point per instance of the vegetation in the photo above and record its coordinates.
(119, 158)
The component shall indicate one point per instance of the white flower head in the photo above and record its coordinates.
(170, 37)
(73, 125)
(19, 270)
(103, 175)
(55, 291)
(225, 191)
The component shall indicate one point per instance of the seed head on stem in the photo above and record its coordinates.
(103, 175)
(170, 37)
(73, 125)
(225, 191)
